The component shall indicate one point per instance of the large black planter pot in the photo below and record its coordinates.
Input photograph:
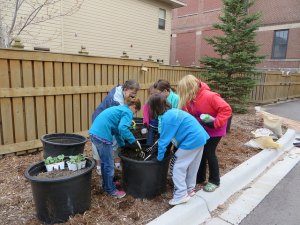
(144, 179)
(63, 143)
(58, 198)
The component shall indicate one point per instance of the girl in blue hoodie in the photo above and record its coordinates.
(185, 132)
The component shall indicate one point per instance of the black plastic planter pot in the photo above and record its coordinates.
(144, 179)
(63, 143)
(58, 198)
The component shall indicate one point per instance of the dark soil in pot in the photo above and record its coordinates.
(61, 173)
(137, 131)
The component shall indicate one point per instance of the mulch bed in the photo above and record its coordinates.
(17, 206)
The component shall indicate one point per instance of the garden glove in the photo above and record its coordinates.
(210, 124)
(134, 146)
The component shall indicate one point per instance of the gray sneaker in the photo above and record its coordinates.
(98, 170)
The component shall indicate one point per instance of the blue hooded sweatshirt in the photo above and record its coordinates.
(116, 121)
(182, 129)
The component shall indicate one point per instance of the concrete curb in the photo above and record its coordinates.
(198, 209)
(259, 189)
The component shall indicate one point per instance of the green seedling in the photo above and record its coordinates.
(76, 158)
(50, 160)
(60, 158)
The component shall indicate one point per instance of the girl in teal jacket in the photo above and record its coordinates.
(113, 121)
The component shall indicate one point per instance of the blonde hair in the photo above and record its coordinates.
(187, 89)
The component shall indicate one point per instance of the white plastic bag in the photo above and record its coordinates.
(262, 132)
(263, 143)
(274, 124)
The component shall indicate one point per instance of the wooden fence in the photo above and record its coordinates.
(42, 92)
(273, 86)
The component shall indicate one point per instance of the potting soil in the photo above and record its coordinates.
(61, 173)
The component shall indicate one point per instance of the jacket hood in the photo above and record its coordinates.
(204, 86)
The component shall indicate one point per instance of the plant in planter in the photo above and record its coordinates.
(76, 162)
(55, 163)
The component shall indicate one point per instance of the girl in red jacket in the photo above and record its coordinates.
(197, 99)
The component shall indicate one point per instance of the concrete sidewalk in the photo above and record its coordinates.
(281, 206)
(252, 181)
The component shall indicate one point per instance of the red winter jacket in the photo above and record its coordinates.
(211, 103)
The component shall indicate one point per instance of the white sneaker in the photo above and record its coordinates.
(192, 193)
(179, 201)
(98, 170)
(118, 166)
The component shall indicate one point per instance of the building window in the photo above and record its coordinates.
(280, 42)
(162, 19)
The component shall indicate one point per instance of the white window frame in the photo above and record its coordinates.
(162, 14)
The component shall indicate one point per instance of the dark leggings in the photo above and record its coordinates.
(209, 155)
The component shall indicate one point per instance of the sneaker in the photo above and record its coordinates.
(98, 170)
(179, 201)
(118, 194)
(192, 193)
(118, 166)
(210, 187)
(118, 184)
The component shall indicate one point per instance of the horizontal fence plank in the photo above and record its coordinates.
(50, 91)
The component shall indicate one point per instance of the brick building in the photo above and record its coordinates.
(278, 36)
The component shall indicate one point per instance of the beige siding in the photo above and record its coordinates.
(108, 29)
(46, 34)
(105, 28)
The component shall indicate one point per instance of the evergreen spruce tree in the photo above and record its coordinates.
(237, 52)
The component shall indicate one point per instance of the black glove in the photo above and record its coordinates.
(210, 124)
(135, 145)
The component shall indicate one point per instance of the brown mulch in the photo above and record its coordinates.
(17, 206)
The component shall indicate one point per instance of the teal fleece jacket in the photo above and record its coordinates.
(115, 120)
(182, 129)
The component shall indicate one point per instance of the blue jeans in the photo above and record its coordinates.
(152, 136)
(105, 152)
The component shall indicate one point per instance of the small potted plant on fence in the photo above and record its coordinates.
(55, 163)
(76, 162)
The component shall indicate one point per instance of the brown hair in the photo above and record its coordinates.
(162, 85)
(158, 105)
(131, 84)
(152, 90)
(134, 101)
